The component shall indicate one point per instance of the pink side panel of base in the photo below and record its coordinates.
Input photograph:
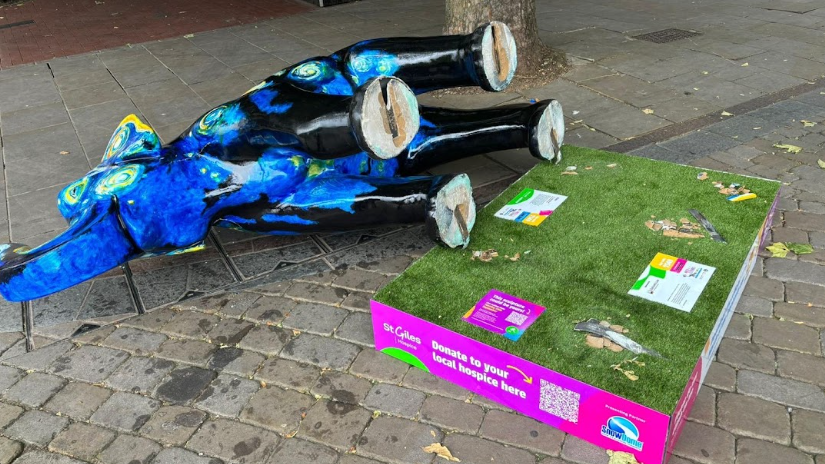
(560, 401)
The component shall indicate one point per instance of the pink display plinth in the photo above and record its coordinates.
(597, 416)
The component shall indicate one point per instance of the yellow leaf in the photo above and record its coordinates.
(64, 152)
(620, 457)
(821, 163)
(704, 72)
(647, 111)
(788, 147)
(630, 375)
(779, 250)
(725, 113)
(808, 123)
(744, 64)
(441, 451)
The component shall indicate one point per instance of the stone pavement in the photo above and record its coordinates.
(268, 357)
(44, 29)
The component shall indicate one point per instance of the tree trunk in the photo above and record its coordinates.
(464, 16)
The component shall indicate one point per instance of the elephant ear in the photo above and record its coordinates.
(132, 139)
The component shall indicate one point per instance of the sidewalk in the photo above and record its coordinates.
(268, 357)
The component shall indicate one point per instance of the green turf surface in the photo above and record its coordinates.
(585, 258)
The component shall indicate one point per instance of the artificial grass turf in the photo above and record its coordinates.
(583, 260)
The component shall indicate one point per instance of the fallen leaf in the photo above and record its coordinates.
(788, 147)
(588, 168)
(725, 113)
(630, 375)
(704, 72)
(516, 257)
(744, 64)
(778, 250)
(807, 123)
(620, 457)
(612, 165)
(64, 152)
(647, 111)
(486, 255)
(821, 163)
(800, 248)
(263, 384)
(569, 173)
(441, 451)
(188, 36)
(702, 176)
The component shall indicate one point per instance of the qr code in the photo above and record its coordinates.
(559, 402)
(516, 318)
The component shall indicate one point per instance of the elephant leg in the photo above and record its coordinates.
(447, 135)
(332, 204)
(486, 58)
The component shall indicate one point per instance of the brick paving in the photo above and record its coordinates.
(43, 29)
(280, 367)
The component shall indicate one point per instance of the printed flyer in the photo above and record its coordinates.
(674, 282)
(531, 207)
(503, 314)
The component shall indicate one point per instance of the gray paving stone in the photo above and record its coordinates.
(739, 327)
(277, 409)
(357, 328)
(704, 444)
(341, 387)
(226, 395)
(37, 428)
(786, 335)
(394, 400)
(754, 417)
(754, 306)
(255, 264)
(125, 412)
(184, 384)
(319, 293)
(173, 425)
(134, 340)
(89, 363)
(580, 451)
(747, 355)
(266, 339)
(799, 366)
(9, 450)
(780, 390)
(808, 430)
(186, 351)
(8, 339)
(161, 286)
(81, 440)
(721, 377)
(398, 440)
(421, 380)
(235, 361)
(303, 452)
(452, 414)
(314, 318)
(8, 413)
(288, 374)
(270, 309)
(335, 424)
(521, 431)
(34, 389)
(763, 287)
(229, 331)
(375, 365)
(182, 456)
(152, 320)
(750, 451)
(139, 374)
(795, 271)
(78, 400)
(9, 376)
(234, 442)
(358, 280)
(357, 301)
(129, 449)
(190, 324)
(355, 459)
(321, 351)
(703, 410)
(42, 457)
(40, 358)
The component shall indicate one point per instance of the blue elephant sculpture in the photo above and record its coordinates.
(329, 144)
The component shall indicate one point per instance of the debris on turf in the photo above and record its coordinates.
(702, 175)
(683, 229)
(612, 337)
(485, 256)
